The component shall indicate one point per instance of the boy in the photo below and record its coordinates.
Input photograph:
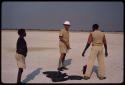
(21, 53)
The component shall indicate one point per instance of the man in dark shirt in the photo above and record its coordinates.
(21, 53)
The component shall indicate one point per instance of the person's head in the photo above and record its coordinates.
(66, 25)
(95, 27)
(22, 32)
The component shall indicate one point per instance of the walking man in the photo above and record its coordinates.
(21, 53)
(63, 44)
(98, 39)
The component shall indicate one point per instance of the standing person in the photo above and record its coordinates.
(21, 53)
(64, 44)
(98, 39)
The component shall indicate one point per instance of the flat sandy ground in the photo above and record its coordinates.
(43, 56)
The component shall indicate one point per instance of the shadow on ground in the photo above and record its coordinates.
(32, 75)
(67, 62)
(58, 76)
(95, 70)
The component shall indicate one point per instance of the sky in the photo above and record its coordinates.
(51, 15)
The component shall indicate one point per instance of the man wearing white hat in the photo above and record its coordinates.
(63, 44)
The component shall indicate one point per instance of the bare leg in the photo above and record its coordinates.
(61, 60)
(19, 75)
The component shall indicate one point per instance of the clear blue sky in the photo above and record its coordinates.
(51, 15)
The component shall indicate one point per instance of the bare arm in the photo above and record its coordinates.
(88, 44)
(105, 45)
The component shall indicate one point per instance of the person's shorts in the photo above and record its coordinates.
(20, 61)
(62, 47)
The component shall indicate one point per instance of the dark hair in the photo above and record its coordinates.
(21, 32)
(95, 26)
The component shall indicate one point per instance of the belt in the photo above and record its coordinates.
(97, 44)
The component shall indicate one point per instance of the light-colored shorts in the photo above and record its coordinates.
(20, 61)
(62, 47)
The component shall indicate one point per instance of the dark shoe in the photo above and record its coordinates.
(86, 77)
(19, 82)
(60, 69)
(101, 78)
(64, 68)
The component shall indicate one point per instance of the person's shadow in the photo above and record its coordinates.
(32, 75)
(58, 76)
(95, 70)
(67, 62)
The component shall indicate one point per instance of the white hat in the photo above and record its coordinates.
(66, 23)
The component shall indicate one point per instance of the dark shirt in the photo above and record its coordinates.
(21, 46)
